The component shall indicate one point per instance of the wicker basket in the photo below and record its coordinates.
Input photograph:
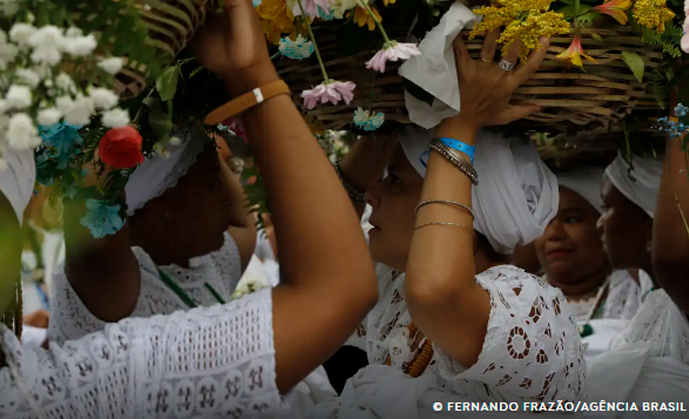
(571, 99)
(171, 23)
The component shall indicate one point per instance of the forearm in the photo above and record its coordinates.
(670, 232)
(443, 297)
(103, 272)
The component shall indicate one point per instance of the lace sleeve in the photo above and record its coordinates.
(532, 349)
(228, 263)
(208, 362)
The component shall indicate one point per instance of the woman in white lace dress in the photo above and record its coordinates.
(571, 253)
(452, 312)
(649, 359)
(230, 360)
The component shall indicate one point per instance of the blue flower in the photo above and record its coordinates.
(298, 49)
(367, 120)
(681, 111)
(101, 219)
(323, 15)
(61, 139)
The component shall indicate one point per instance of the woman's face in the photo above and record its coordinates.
(393, 200)
(198, 205)
(626, 229)
(570, 249)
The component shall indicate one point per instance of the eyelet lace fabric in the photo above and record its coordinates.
(662, 325)
(207, 362)
(71, 319)
(532, 349)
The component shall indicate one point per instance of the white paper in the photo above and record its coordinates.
(434, 70)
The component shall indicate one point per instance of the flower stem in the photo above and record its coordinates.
(378, 24)
(313, 39)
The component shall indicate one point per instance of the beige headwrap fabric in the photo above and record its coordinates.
(640, 184)
(18, 179)
(161, 172)
(586, 182)
(517, 194)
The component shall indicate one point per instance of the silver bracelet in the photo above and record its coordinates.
(456, 159)
(355, 194)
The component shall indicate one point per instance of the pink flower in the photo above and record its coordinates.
(392, 51)
(311, 7)
(234, 125)
(329, 91)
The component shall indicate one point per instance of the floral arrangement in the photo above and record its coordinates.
(292, 26)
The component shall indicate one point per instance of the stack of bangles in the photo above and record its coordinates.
(451, 150)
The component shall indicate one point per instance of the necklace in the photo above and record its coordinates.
(186, 298)
(586, 329)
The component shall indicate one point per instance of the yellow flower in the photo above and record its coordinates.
(388, 2)
(574, 53)
(652, 14)
(525, 20)
(363, 18)
(276, 19)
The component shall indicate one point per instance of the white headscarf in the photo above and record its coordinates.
(639, 185)
(517, 194)
(161, 172)
(586, 182)
(17, 181)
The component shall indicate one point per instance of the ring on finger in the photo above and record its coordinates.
(506, 65)
(486, 60)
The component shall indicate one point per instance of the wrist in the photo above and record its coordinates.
(247, 79)
(460, 127)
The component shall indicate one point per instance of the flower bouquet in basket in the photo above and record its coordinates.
(70, 71)
(606, 57)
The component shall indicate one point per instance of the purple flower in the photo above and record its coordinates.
(330, 91)
(392, 51)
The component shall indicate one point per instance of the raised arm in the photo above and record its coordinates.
(670, 251)
(327, 279)
(443, 297)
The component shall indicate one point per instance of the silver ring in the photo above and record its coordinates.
(486, 60)
(506, 65)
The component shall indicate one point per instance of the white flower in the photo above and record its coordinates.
(47, 43)
(28, 76)
(65, 83)
(80, 46)
(18, 97)
(79, 114)
(48, 116)
(22, 134)
(103, 98)
(9, 8)
(21, 32)
(112, 65)
(115, 118)
(64, 104)
(339, 7)
(3, 106)
(74, 32)
(8, 52)
(175, 141)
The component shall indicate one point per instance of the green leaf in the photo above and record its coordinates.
(418, 92)
(151, 102)
(166, 84)
(160, 123)
(635, 63)
(596, 37)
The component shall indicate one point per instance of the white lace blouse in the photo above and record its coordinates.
(620, 302)
(208, 362)
(221, 270)
(532, 349)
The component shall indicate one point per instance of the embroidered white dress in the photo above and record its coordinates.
(532, 352)
(204, 363)
(70, 319)
(648, 360)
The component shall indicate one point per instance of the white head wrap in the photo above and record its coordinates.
(517, 194)
(639, 185)
(17, 181)
(586, 182)
(161, 172)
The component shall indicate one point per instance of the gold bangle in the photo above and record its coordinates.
(444, 224)
(448, 202)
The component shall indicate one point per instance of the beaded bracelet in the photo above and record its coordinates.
(354, 193)
(455, 158)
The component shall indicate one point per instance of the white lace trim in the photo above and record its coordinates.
(208, 362)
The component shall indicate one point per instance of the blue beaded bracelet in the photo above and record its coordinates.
(459, 146)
